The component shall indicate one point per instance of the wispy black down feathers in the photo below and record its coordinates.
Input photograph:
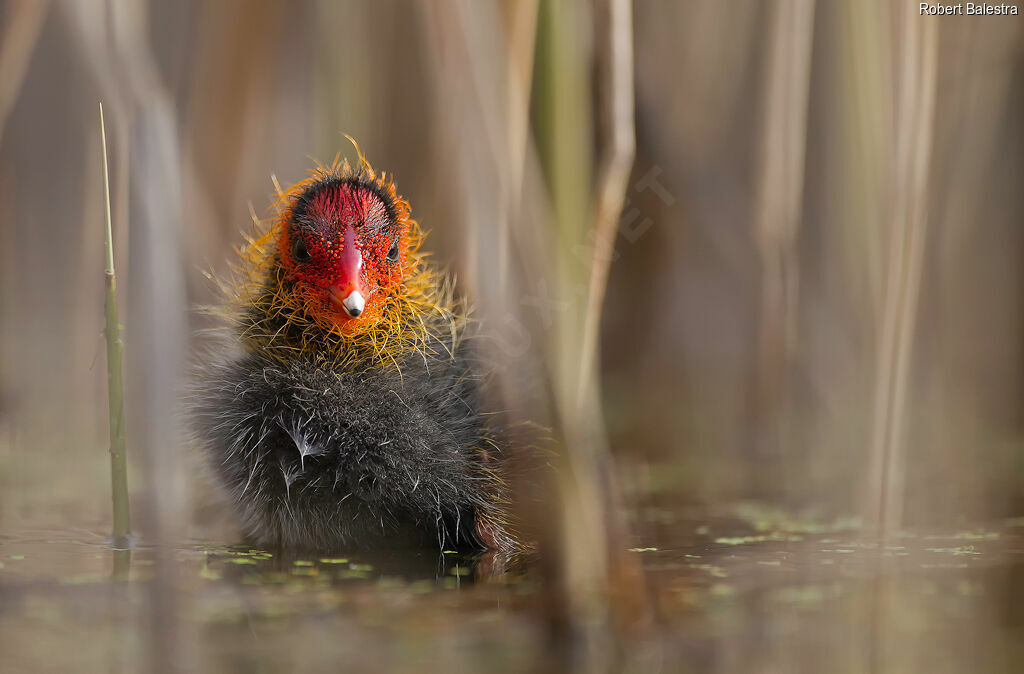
(319, 456)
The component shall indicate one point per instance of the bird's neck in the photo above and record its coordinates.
(412, 321)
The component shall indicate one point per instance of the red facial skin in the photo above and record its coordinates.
(347, 230)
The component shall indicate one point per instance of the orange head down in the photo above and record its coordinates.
(343, 243)
(340, 274)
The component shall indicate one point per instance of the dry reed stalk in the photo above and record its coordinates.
(778, 209)
(866, 137)
(575, 543)
(618, 129)
(598, 581)
(521, 30)
(915, 111)
(16, 48)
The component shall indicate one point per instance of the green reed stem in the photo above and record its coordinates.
(115, 387)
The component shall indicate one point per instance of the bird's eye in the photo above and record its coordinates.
(393, 253)
(300, 252)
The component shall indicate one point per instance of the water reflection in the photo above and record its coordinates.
(741, 591)
(448, 569)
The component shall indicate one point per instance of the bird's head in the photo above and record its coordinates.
(344, 243)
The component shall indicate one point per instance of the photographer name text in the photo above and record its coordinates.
(967, 9)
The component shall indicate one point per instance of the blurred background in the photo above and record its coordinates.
(812, 326)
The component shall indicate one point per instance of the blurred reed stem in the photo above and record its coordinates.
(600, 582)
(115, 385)
(576, 546)
(617, 126)
(915, 112)
(777, 217)
(520, 17)
(16, 48)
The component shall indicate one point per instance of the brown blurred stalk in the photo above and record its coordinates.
(115, 386)
(16, 47)
(617, 126)
(915, 112)
(600, 580)
(778, 213)
(521, 27)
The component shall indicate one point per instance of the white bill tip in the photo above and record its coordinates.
(354, 303)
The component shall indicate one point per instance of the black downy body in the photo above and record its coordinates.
(325, 457)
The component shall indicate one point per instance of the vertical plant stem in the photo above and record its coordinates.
(601, 584)
(115, 389)
(521, 27)
(16, 47)
(618, 129)
(915, 95)
(778, 214)
(915, 112)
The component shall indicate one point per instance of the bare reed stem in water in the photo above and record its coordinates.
(914, 122)
(115, 389)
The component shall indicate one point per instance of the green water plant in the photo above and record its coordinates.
(115, 386)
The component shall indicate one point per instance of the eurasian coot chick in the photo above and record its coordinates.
(343, 408)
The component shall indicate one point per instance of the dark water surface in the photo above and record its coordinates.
(747, 589)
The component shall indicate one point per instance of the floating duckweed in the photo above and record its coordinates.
(238, 551)
(962, 550)
(643, 549)
(774, 536)
(17, 556)
(772, 562)
(303, 562)
(977, 535)
(460, 571)
(333, 560)
(242, 560)
(449, 552)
